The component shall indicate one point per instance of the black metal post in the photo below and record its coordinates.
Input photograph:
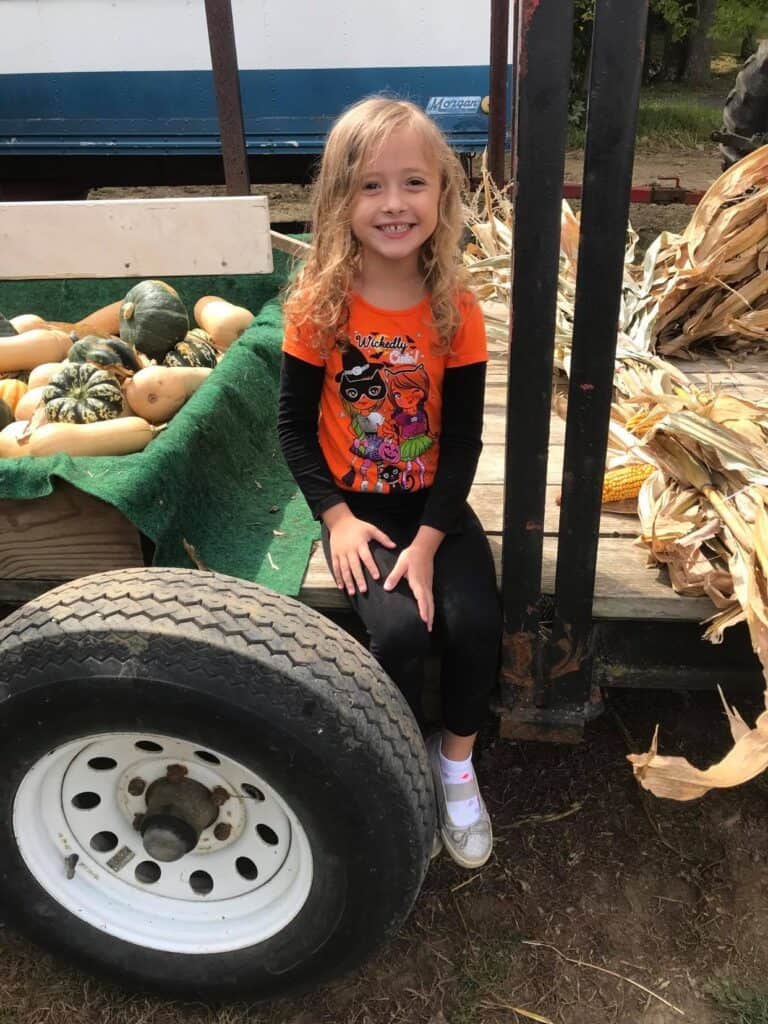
(497, 118)
(221, 37)
(617, 62)
(542, 79)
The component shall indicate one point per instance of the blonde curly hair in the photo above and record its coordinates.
(318, 299)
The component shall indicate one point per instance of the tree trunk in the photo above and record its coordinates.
(697, 68)
(673, 61)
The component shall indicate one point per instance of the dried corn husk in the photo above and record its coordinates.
(704, 513)
(711, 282)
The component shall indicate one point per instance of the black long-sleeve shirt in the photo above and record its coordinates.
(460, 443)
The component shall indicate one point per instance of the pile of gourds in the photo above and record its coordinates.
(107, 384)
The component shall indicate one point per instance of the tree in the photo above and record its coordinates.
(698, 64)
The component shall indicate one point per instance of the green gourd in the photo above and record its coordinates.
(82, 393)
(111, 353)
(7, 330)
(6, 414)
(195, 350)
(153, 318)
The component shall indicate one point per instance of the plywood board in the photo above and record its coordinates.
(135, 238)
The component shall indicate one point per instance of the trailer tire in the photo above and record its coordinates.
(746, 107)
(236, 680)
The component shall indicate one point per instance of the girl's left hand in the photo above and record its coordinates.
(416, 564)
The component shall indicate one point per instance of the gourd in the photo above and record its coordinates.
(102, 321)
(28, 350)
(6, 414)
(195, 350)
(223, 321)
(110, 353)
(26, 408)
(11, 446)
(11, 392)
(153, 318)
(7, 330)
(157, 392)
(27, 322)
(82, 393)
(43, 373)
(111, 437)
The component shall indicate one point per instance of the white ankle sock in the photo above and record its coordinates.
(461, 812)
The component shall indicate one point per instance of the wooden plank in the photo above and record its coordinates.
(64, 535)
(626, 588)
(487, 501)
(135, 237)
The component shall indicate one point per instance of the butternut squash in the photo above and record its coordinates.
(102, 321)
(105, 437)
(43, 373)
(26, 406)
(28, 350)
(157, 392)
(27, 322)
(223, 321)
(11, 446)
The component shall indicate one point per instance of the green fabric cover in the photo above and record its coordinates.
(215, 476)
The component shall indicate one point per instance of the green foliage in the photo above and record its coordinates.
(735, 19)
(742, 1006)
(678, 14)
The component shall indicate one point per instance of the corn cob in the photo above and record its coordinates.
(625, 481)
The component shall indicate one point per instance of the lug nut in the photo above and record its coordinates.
(136, 786)
(176, 772)
(222, 831)
(219, 795)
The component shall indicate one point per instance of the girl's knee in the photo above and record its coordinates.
(400, 640)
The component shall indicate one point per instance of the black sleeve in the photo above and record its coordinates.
(460, 446)
(300, 387)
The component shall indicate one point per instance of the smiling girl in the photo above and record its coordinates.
(382, 300)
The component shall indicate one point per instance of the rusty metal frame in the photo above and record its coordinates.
(221, 38)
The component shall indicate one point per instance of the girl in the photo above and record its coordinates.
(383, 292)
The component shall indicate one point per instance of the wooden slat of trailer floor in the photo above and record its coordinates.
(626, 588)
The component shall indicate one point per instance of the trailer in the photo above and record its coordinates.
(187, 759)
(123, 94)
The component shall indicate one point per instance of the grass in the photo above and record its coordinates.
(742, 1006)
(670, 119)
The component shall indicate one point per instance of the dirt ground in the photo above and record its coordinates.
(600, 905)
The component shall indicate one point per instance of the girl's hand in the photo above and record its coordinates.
(416, 564)
(349, 539)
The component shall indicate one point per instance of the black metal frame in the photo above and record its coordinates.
(546, 680)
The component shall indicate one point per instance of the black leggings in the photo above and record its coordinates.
(467, 627)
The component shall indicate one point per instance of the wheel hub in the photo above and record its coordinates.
(178, 809)
(163, 842)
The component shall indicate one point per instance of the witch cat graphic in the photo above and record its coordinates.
(363, 393)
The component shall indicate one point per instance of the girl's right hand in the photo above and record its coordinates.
(349, 537)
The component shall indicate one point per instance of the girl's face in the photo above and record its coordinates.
(408, 398)
(396, 209)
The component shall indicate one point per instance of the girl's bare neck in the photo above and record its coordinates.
(390, 288)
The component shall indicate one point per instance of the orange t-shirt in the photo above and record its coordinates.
(381, 402)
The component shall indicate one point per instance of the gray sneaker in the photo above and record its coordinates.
(471, 845)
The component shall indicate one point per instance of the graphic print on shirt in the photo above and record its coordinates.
(408, 391)
(363, 395)
(385, 403)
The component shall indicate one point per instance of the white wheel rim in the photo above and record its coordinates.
(225, 894)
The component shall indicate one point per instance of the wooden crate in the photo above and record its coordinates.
(66, 534)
